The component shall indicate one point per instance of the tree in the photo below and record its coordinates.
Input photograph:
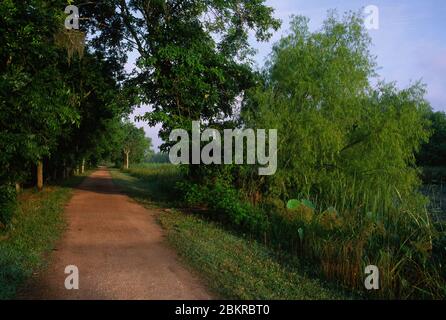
(36, 103)
(135, 144)
(341, 141)
(53, 104)
(102, 99)
(184, 73)
(130, 145)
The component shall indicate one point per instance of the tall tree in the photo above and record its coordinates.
(36, 103)
(102, 99)
(53, 104)
(335, 129)
(193, 54)
(123, 143)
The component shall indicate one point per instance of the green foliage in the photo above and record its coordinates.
(224, 202)
(293, 204)
(184, 73)
(36, 226)
(348, 146)
(433, 153)
(7, 204)
(159, 157)
(36, 104)
(339, 130)
(52, 109)
(127, 138)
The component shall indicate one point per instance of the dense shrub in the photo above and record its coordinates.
(7, 204)
(224, 202)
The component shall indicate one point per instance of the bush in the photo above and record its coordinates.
(225, 203)
(7, 204)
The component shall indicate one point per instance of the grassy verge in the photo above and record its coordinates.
(36, 226)
(237, 268)
(234, 266)
(151, 184)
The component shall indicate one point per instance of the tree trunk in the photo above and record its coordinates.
(126, 159)
(83, 166)
(17, 187)
(64, 171)
(40, 175)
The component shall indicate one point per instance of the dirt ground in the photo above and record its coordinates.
(118, 248)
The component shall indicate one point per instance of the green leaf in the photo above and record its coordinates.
(293, 204)
(308, 204)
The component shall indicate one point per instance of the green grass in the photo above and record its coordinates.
(233, 266)
(236, 268)
(36, 226)
(150, 183)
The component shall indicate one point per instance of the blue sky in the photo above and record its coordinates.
(410, 43)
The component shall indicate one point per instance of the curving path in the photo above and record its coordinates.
(118, 248)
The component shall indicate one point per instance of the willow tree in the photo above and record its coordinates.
(342, 140)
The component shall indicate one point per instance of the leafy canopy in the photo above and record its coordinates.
(341, 140)
(193, 54)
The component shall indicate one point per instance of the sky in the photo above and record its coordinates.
(410, 43)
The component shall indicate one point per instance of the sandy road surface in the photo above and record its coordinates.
(118, 248)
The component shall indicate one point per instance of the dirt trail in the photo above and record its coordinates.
(118, 248)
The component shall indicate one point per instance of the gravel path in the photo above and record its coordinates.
(119, 250)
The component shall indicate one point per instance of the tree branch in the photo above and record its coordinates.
(125, 17)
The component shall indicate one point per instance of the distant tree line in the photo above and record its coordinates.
(159, 157)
